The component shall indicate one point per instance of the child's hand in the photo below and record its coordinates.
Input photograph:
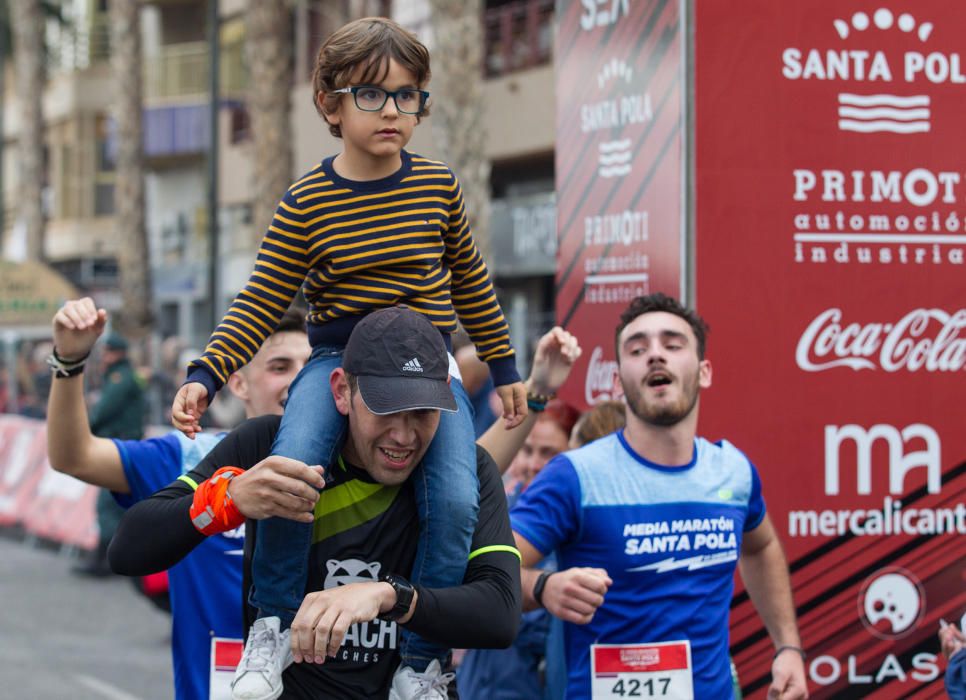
(190, 402)
(514, 398)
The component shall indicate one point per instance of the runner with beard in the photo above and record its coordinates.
(649, 524)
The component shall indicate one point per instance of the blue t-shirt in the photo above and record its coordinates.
(205, 586)
(669, 537)
(514, 672)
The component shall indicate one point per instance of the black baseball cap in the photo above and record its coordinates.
(400, 361)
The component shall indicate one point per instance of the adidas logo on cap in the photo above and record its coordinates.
(412, 366)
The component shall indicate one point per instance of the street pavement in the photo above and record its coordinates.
(66, 636)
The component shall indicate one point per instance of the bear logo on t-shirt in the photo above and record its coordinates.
(347, 571)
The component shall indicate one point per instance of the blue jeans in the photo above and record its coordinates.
(445, 484)
(312, 431)
(448, 501)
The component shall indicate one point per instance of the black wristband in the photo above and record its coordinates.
(789, 647)
(68, 373)
(540, 585)
(64, 369)
(69, 361)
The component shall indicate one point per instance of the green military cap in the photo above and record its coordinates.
(114, 341)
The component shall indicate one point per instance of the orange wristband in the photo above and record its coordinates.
(212, 510)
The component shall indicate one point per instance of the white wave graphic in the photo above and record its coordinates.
(614, 158)
(608, 146)
(883, 125)
(883, 113)
(615, 171)
(842, 27)
(846, 98)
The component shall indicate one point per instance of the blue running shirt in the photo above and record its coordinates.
(669, 537)
(206, 586)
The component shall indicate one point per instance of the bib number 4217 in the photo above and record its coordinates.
(650, 688)
(658, 670)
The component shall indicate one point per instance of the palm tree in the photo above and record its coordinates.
(135, 315)
(457, 110)
(268, 44)
(5, 44)
(28, 23)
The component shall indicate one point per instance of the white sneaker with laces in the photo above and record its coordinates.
(407, 684)
(267, 653)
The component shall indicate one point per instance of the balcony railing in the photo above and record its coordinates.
(518, 35)
(181, 71)
(73, 46)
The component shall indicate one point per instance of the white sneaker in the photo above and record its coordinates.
(431, 685)
(267, 653)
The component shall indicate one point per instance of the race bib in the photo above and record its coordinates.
(660, 670)
(225, 655)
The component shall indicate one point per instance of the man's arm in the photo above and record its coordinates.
(482, 613)
(765, 574)
(556, 353)
(71, 446)
(572, 594)
(157, 532)
(951, 640)
(530, 556)
(324, 618)
(545, 518)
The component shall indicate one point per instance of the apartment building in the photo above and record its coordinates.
(81, 241)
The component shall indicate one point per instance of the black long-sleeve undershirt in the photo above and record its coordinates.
(154, 535)
(158, 533)
(484, 612)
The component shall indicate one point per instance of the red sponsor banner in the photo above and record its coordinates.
(44, 502)
(62, 509)
(831, 230)
(618, 164)
(23, 448)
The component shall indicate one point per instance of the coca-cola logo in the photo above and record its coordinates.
(923, 339)
(601, 377)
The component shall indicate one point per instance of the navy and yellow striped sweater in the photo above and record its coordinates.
(357, 247)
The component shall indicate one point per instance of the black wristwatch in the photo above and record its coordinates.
(404, 596)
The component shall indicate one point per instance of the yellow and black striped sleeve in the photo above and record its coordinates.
(474, 298)
(280, 267)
